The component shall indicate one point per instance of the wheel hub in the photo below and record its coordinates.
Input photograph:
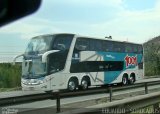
(84, 84)
(124, 81)
(72, 85)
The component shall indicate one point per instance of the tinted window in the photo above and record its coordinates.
(140, 65)
(107, 46)
(140, 49)
(95, 45)
(135, 48)
(57, 60)
(128, 48)
(62, 42)
(96, 66)
(113, 46)
(82, 44)
(118, 47)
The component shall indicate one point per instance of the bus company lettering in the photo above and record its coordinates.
(131, 60)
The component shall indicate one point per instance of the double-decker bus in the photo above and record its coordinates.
(69, 61)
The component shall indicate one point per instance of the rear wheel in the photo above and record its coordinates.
(132, 80)
(84, 84)
(124, 80)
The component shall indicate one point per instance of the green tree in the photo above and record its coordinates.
(152, 58)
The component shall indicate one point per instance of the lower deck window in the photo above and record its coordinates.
(96, 66)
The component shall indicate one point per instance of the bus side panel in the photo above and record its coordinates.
(108, 76)
(129, 66)
(96, 77)
(111, 76)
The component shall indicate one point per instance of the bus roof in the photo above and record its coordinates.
(107, 39)
(76, 35)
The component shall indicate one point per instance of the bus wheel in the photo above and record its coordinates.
(124, 80)
(72, 85)
(84, 84)
(132, 80)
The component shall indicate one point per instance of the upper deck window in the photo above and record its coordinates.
(62, 42)
(82, 44)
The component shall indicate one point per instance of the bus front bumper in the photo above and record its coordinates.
(40, 87)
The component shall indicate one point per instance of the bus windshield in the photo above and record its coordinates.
(39, 44)
(33, 68)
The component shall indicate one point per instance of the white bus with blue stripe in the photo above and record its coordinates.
(69, 61)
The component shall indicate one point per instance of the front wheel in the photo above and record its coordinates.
(72, 85)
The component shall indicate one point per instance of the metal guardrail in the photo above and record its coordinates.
(123, 106)
(57, 95)
(24, 99)
(111, 89)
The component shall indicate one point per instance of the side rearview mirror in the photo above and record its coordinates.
(14, 60)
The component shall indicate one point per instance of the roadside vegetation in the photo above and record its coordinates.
(9, 75)
(152, 57)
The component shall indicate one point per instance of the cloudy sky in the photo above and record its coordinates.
(125, 20)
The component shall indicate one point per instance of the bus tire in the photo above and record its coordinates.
(84, 84)
(125, 80)
(72, 84)
(132, 79)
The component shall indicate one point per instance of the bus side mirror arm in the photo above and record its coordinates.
(45, 55)
(14, 60)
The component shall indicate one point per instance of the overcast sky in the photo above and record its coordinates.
(125, 20)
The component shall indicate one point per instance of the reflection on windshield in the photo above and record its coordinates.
(39, 44)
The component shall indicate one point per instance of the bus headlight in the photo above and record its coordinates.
(24, 81)
(32, 82)
(40, 82)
